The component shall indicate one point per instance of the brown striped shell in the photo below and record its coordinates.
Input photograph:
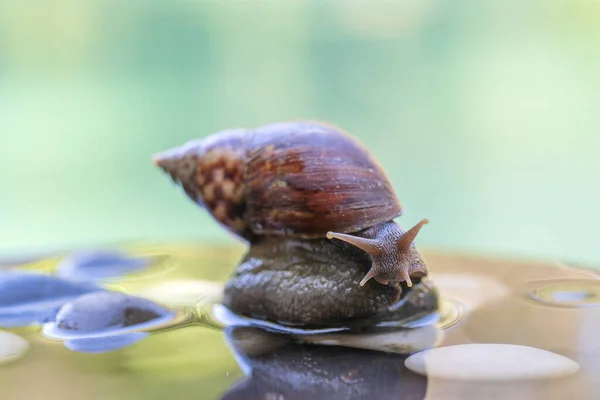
(301, 179)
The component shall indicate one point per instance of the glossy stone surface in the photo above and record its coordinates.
(316, 284)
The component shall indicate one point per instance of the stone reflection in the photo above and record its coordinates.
(275, 367)
(95, 345)
(571, 293)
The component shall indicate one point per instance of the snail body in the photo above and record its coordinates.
(301, 184)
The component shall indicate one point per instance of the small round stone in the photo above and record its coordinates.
(100, 311)
(12, 347)
(493, 362)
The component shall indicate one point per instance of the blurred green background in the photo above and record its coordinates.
(484, 114)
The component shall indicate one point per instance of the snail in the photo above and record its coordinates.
(306, 196)
(298, 179)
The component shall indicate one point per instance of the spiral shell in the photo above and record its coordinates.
(212, 173)
(299, 179)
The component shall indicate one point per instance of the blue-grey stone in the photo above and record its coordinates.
(100, 311)
(29, 298)
(100, 264)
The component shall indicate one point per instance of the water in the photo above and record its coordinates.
(199, 350)
(561, 293)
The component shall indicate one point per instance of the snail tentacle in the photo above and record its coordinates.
(370, 246)
(391, 252)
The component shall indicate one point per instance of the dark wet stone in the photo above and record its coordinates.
(315, 284)
(29, 298)
(100, 264)
(100, 311)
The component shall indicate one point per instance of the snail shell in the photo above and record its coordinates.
(300, 179)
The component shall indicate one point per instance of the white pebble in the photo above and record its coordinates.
(490, 362)
(12, 347)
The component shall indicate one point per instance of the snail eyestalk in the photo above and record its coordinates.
(409, 236)
(368, 276)
(370, 246)
(390, 251)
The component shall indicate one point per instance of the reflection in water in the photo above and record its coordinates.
(402, 341)
(565, 293)
(451, 313)
(104, 344)
(220, 314)
(286, 370)
(483, 302)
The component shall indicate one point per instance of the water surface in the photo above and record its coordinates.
(197, 354)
